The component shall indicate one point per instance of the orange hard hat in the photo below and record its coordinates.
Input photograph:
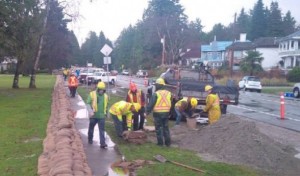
(132, 87)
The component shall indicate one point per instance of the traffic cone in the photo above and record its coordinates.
(282, 106)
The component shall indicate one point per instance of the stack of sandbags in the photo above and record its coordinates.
(136, 137)
(63, 152)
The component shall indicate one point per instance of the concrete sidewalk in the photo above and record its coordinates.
(98, 159)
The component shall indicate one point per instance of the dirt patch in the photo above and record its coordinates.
(244, 142)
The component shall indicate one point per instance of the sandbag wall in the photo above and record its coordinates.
(63, 152)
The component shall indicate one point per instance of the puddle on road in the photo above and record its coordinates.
(117, 171)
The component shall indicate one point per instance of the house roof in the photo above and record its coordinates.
(266, 42)
(216, 46)
(295, 35)
(193, 51)
(241, 46)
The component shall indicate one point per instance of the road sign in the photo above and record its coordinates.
(106, 50)
(107, 60)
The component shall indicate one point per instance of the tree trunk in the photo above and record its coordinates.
(39, 50)
(16, 77)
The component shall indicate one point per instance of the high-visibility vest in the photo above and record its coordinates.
(122, 108)
(179, 103)
(138, 97)
(93, 95)
(163, 102)
(73, 82)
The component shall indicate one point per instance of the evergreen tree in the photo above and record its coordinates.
(258, 21)
(243, 22)
(289, 24)
(275, 24)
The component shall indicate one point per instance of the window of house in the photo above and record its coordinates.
(292, 44)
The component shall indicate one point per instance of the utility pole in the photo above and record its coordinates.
(232, 49)
(163, 40)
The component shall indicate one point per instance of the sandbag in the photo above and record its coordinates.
(136, 137)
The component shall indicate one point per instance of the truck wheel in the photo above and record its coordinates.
(223, 108)
(296, 92)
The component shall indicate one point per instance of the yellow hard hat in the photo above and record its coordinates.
(137, 106)
(194, 102)
(101, 85)
(160, 81)
(208, 87)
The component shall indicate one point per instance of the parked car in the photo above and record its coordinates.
(250, 83)
(125, 72)
(296, 90)
(88, 72)
(142, 73)
(101, 76)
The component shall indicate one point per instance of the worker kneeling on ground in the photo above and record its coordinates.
(160, 103)
(184, 107)
(212, 105)
(123, 108)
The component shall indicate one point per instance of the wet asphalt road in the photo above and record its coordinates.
(256, 106)
(266, 108)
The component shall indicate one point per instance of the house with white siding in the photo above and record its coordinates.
(289, 50)
(268, 47)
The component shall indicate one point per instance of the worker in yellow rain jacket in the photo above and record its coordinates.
(160, 103)
(123, 108)
(184, 107)
(98, 100)
(212, 105)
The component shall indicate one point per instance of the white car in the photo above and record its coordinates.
(142, 73)
(125, 72)
(296, 90)
(250, 83)
(102, 76)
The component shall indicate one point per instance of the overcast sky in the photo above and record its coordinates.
(112, 16)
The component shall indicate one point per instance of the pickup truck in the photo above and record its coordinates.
(88, 72)
(190, 83)
(101, 76)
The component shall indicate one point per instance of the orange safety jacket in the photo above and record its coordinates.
(139, 97)
(163, 102)
(73, 82)
(122, 108)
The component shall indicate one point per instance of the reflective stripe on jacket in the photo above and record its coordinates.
(93, 95)
(213, 108)
(182, 104)
(138, 97)
(163, 102)
(122, 108)
(73, 82)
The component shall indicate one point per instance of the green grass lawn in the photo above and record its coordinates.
(24, 117)
(276, 90)
(148, 150)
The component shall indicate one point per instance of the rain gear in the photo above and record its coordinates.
(213, 108)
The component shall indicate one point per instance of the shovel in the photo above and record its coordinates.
(163, 160)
